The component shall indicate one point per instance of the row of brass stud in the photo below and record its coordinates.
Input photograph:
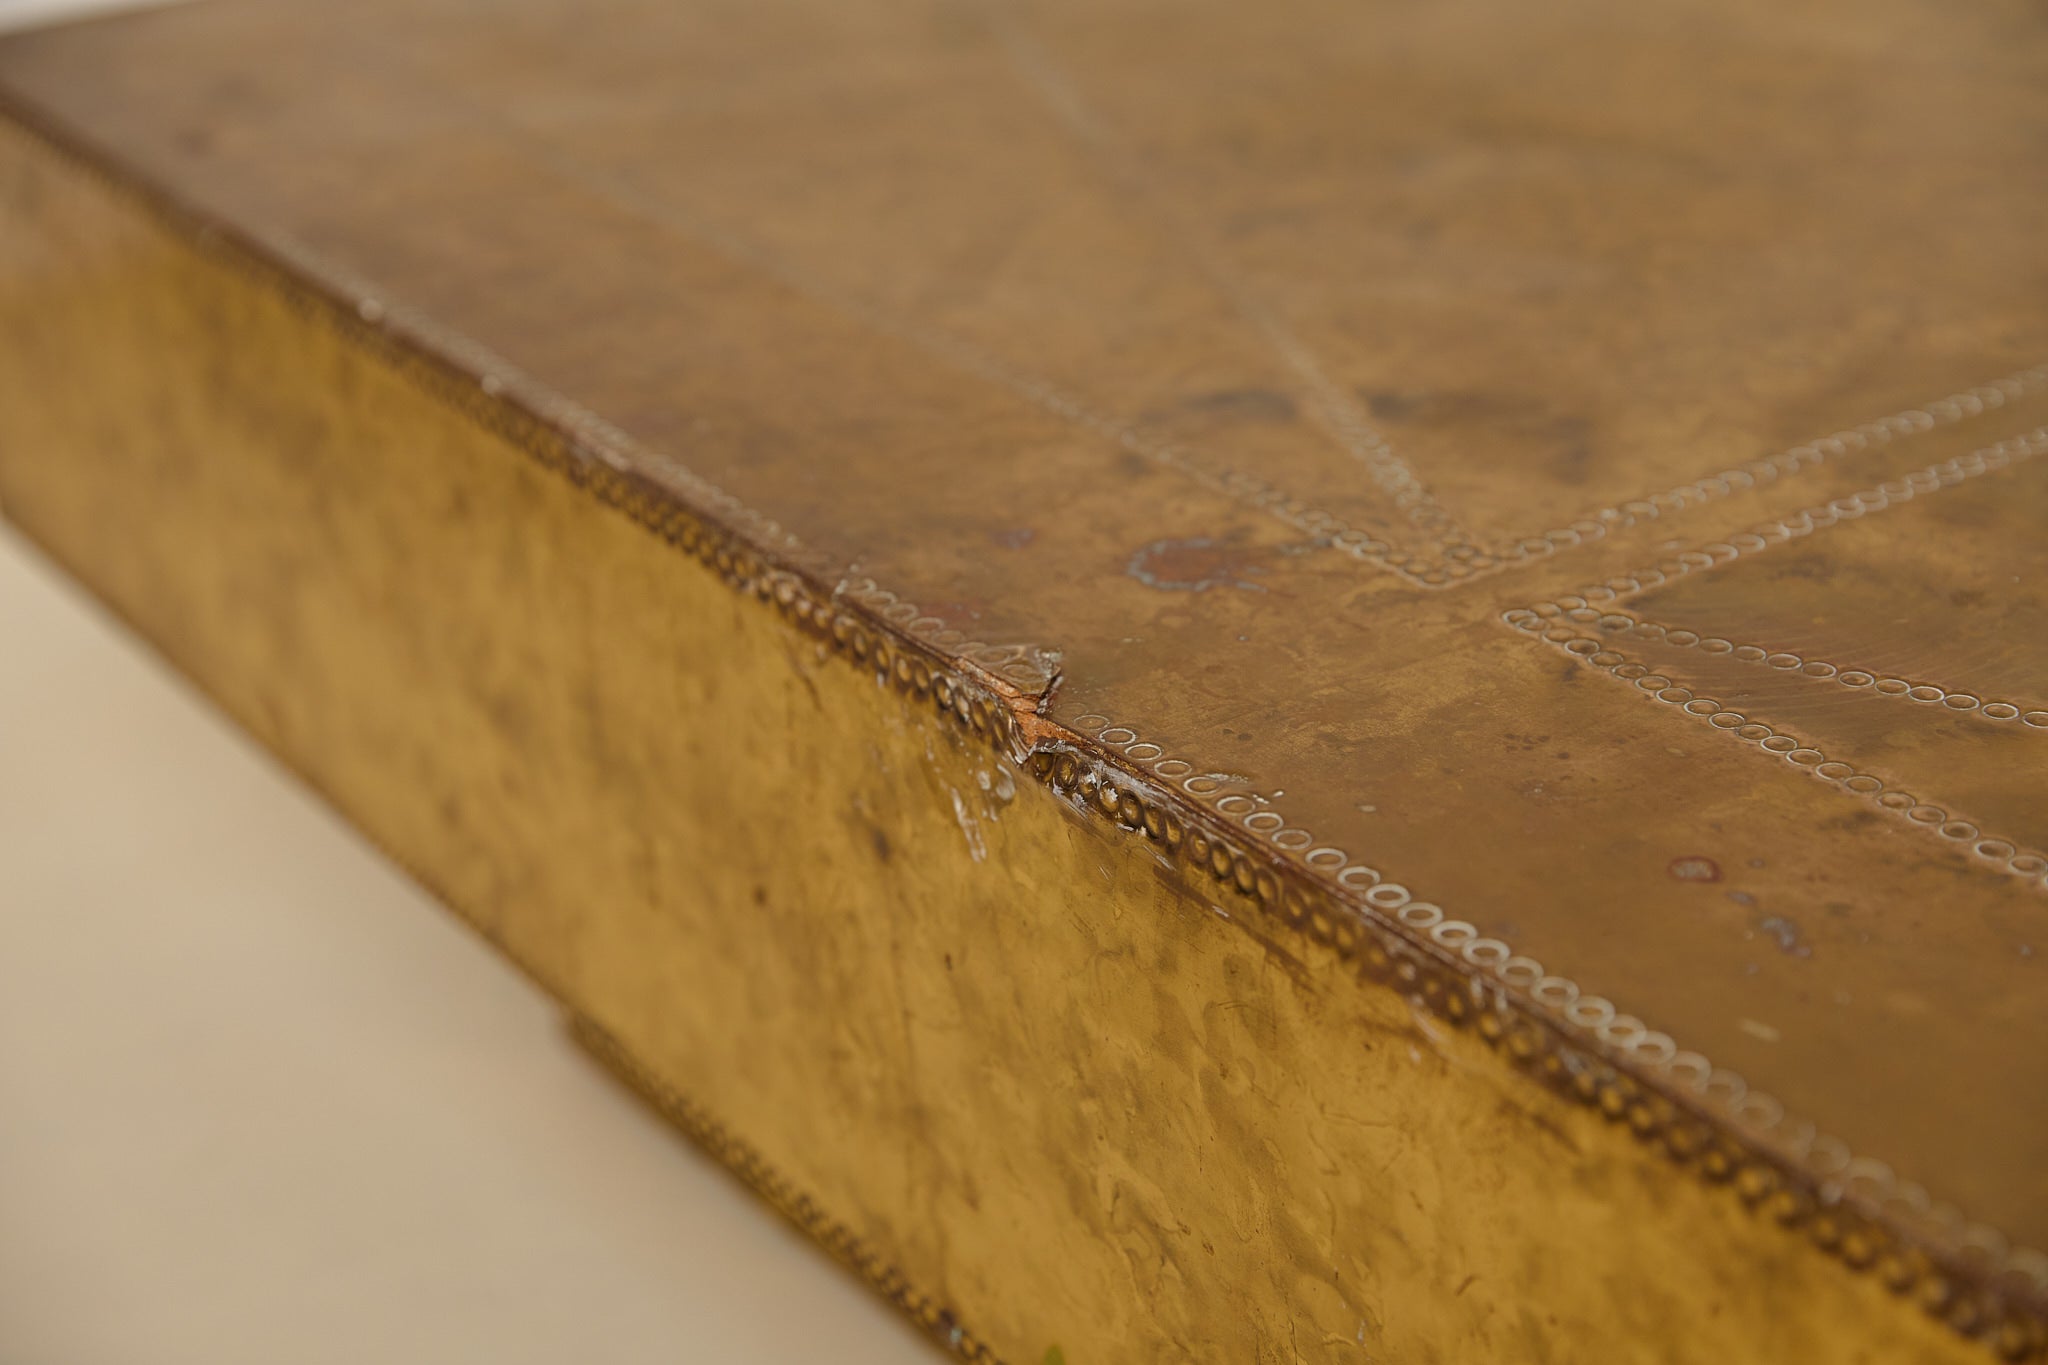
(941, 1323)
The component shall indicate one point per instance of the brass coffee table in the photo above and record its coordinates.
(1303, 682)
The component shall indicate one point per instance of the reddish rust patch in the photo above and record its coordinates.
(1694, 869)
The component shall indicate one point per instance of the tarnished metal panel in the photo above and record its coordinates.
(1456, 596)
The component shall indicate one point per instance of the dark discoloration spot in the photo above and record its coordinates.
(1565, 441)
(1804, 571)
(1441, 407)
(881, 843)
(1195, 564)
(1254, 405)
(1694, 868)
(1571, 443)
(1785, 934)
(1394, 407)
(1015, 539)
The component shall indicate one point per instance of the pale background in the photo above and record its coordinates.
(262, 1100)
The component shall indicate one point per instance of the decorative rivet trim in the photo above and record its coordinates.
(795, 1204)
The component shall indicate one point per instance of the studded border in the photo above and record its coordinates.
(1615, 622)
(1576, 622)
(2030, 866)
(780, 1193)
(1953, 410)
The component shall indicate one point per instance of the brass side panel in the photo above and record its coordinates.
(1081, 1096)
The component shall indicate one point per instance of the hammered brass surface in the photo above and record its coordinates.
(1389, 413)
(1072, 1099)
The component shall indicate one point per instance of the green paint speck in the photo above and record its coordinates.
(1054, 1356)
